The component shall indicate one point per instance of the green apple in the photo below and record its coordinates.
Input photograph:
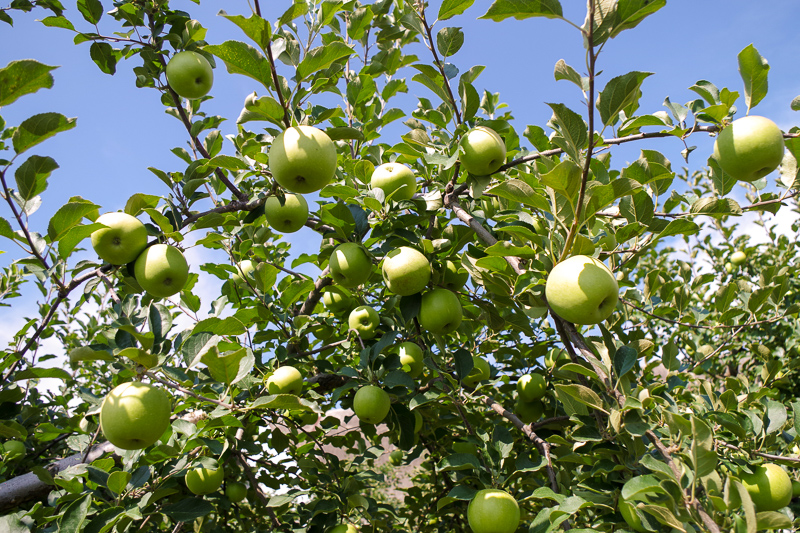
(244, 274)
(482, 151)
(531, 387)
(769, 486)
(750, 148)
(417, 422)
(480, 371)
(302, 159)
(396, 456)
(411, 354)
(528, 412)
(371, 404)
(582, 290)
(285, 380)
(161, 270)
(406, 271)
(344, 528)
(795, 489)
(134, 415)
(440, 311)
(13, 450)
(350, 265)
(493, 511)
(555, 358)
(454, 276)
(364, 320)
(203, 480)
(289, 217)
(395, 180)
(121, 241)
(738, 257)
(236, 491)
(190, 74)
(337, 299)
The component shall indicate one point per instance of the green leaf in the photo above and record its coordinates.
(619, 93)
(638, 487)
(117, 481)
(139, 202)
(449, 41)
(459, 461)
(188, 509)
(23, 77)
(5, 229)
(11, 523)
(230, 367)
(518, 191)
(773, 520)
(58, 22)
(32, 174)
(68, 216)
(624, 360)
(91, 10)
(776, 416)
(227, 162)
(584, 395)
(322, 57)
(753, 69)
(281, 401)
(254, 27)
(629, 13)
(104, 56)
(451, 8)
(704, 458)
(523, 9)
(565, 72)
(263, 108)
(572, 136)
(241, 58)
(74, 517)
(716, 207)
(39, 128)
(432, 79)
(565, 178)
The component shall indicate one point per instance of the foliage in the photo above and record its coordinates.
(688, 385)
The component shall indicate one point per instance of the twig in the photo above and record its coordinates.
(188, 392)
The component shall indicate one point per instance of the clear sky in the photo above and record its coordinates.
(122, 130)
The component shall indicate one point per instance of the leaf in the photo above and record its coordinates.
(565, 72)
(638, 487)
(139, 202)
(572, 136)
(459, 461)
(23, 77)
(776, 416)
(322, 57)
(32, 174)
(117, 481)
(624, 360)
(584, 395)
(451, 8)
(104, 56)
(263, 108)
(91, 10)
(716, 207)
(188, 509)
(5, 229)
(74, 517)
(565, 178)
(39, 128)
(241, 58)
(281, 401)
(704, 458)
(629, 13)
(618, 94)
(517, 190)
(523, 9)
(773, 520)
(68, 216)
(449, 41)
(254, 27)
(231, 367)
(753, 69)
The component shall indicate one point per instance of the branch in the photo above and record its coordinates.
(432, 47)
(275, 79)
(188, 392)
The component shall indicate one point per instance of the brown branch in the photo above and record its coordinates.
(274, 73)
(431, 44)
(769, 456)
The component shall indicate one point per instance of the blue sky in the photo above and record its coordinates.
(122, 130)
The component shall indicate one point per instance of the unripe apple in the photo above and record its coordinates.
(134, 415)
(364, 320)
(531, 387)
(285, 380)
(203, 480)
(344, 528)
(395, 180)
(190, 74)
(161, 270)
(582, 290)
(244, 270)
(480, 371)
(493, 511)
(396, 457)
(482, 151)
(455, 276)
(440, 311)
(528, 412)
(750, 148)
(13, 450)
(738, 257)
(121, 241)
(350, 265)
(371, 404)
(769, 486)
(411, 354)
(406, 271)
(236, 491)
(336, 299)
(302, 159)
(289, 217)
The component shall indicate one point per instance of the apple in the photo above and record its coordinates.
(161, 270)
(134, 415)
(406, 271)
(738, 257)
(411, 354)
(482, 151)
(417, 422)
(236, 491)
(371, 404)
(395, 180)
(336, 299)
(769, 487)
(480, 371)
(531, 387)
(285, 380)
(582, 290)
(454, 277)
(749, 148)
(302, 159)
(244, 274)
(364, 320)
(528, 411)
(350, 265)
(203, 480)
(190, 74)
(289, 217)
(795, 489)
(396, 456)
(493, 511)
(555, 358)
(13, 450)
(344, 528)
(440, 311)
(121, 241)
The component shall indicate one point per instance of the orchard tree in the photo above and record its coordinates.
(553, 339)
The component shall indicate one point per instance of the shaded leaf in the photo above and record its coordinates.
(753, 69)
(39, 128)
(23, 77)
(523, 9)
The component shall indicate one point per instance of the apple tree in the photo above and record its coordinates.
(542, 336)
